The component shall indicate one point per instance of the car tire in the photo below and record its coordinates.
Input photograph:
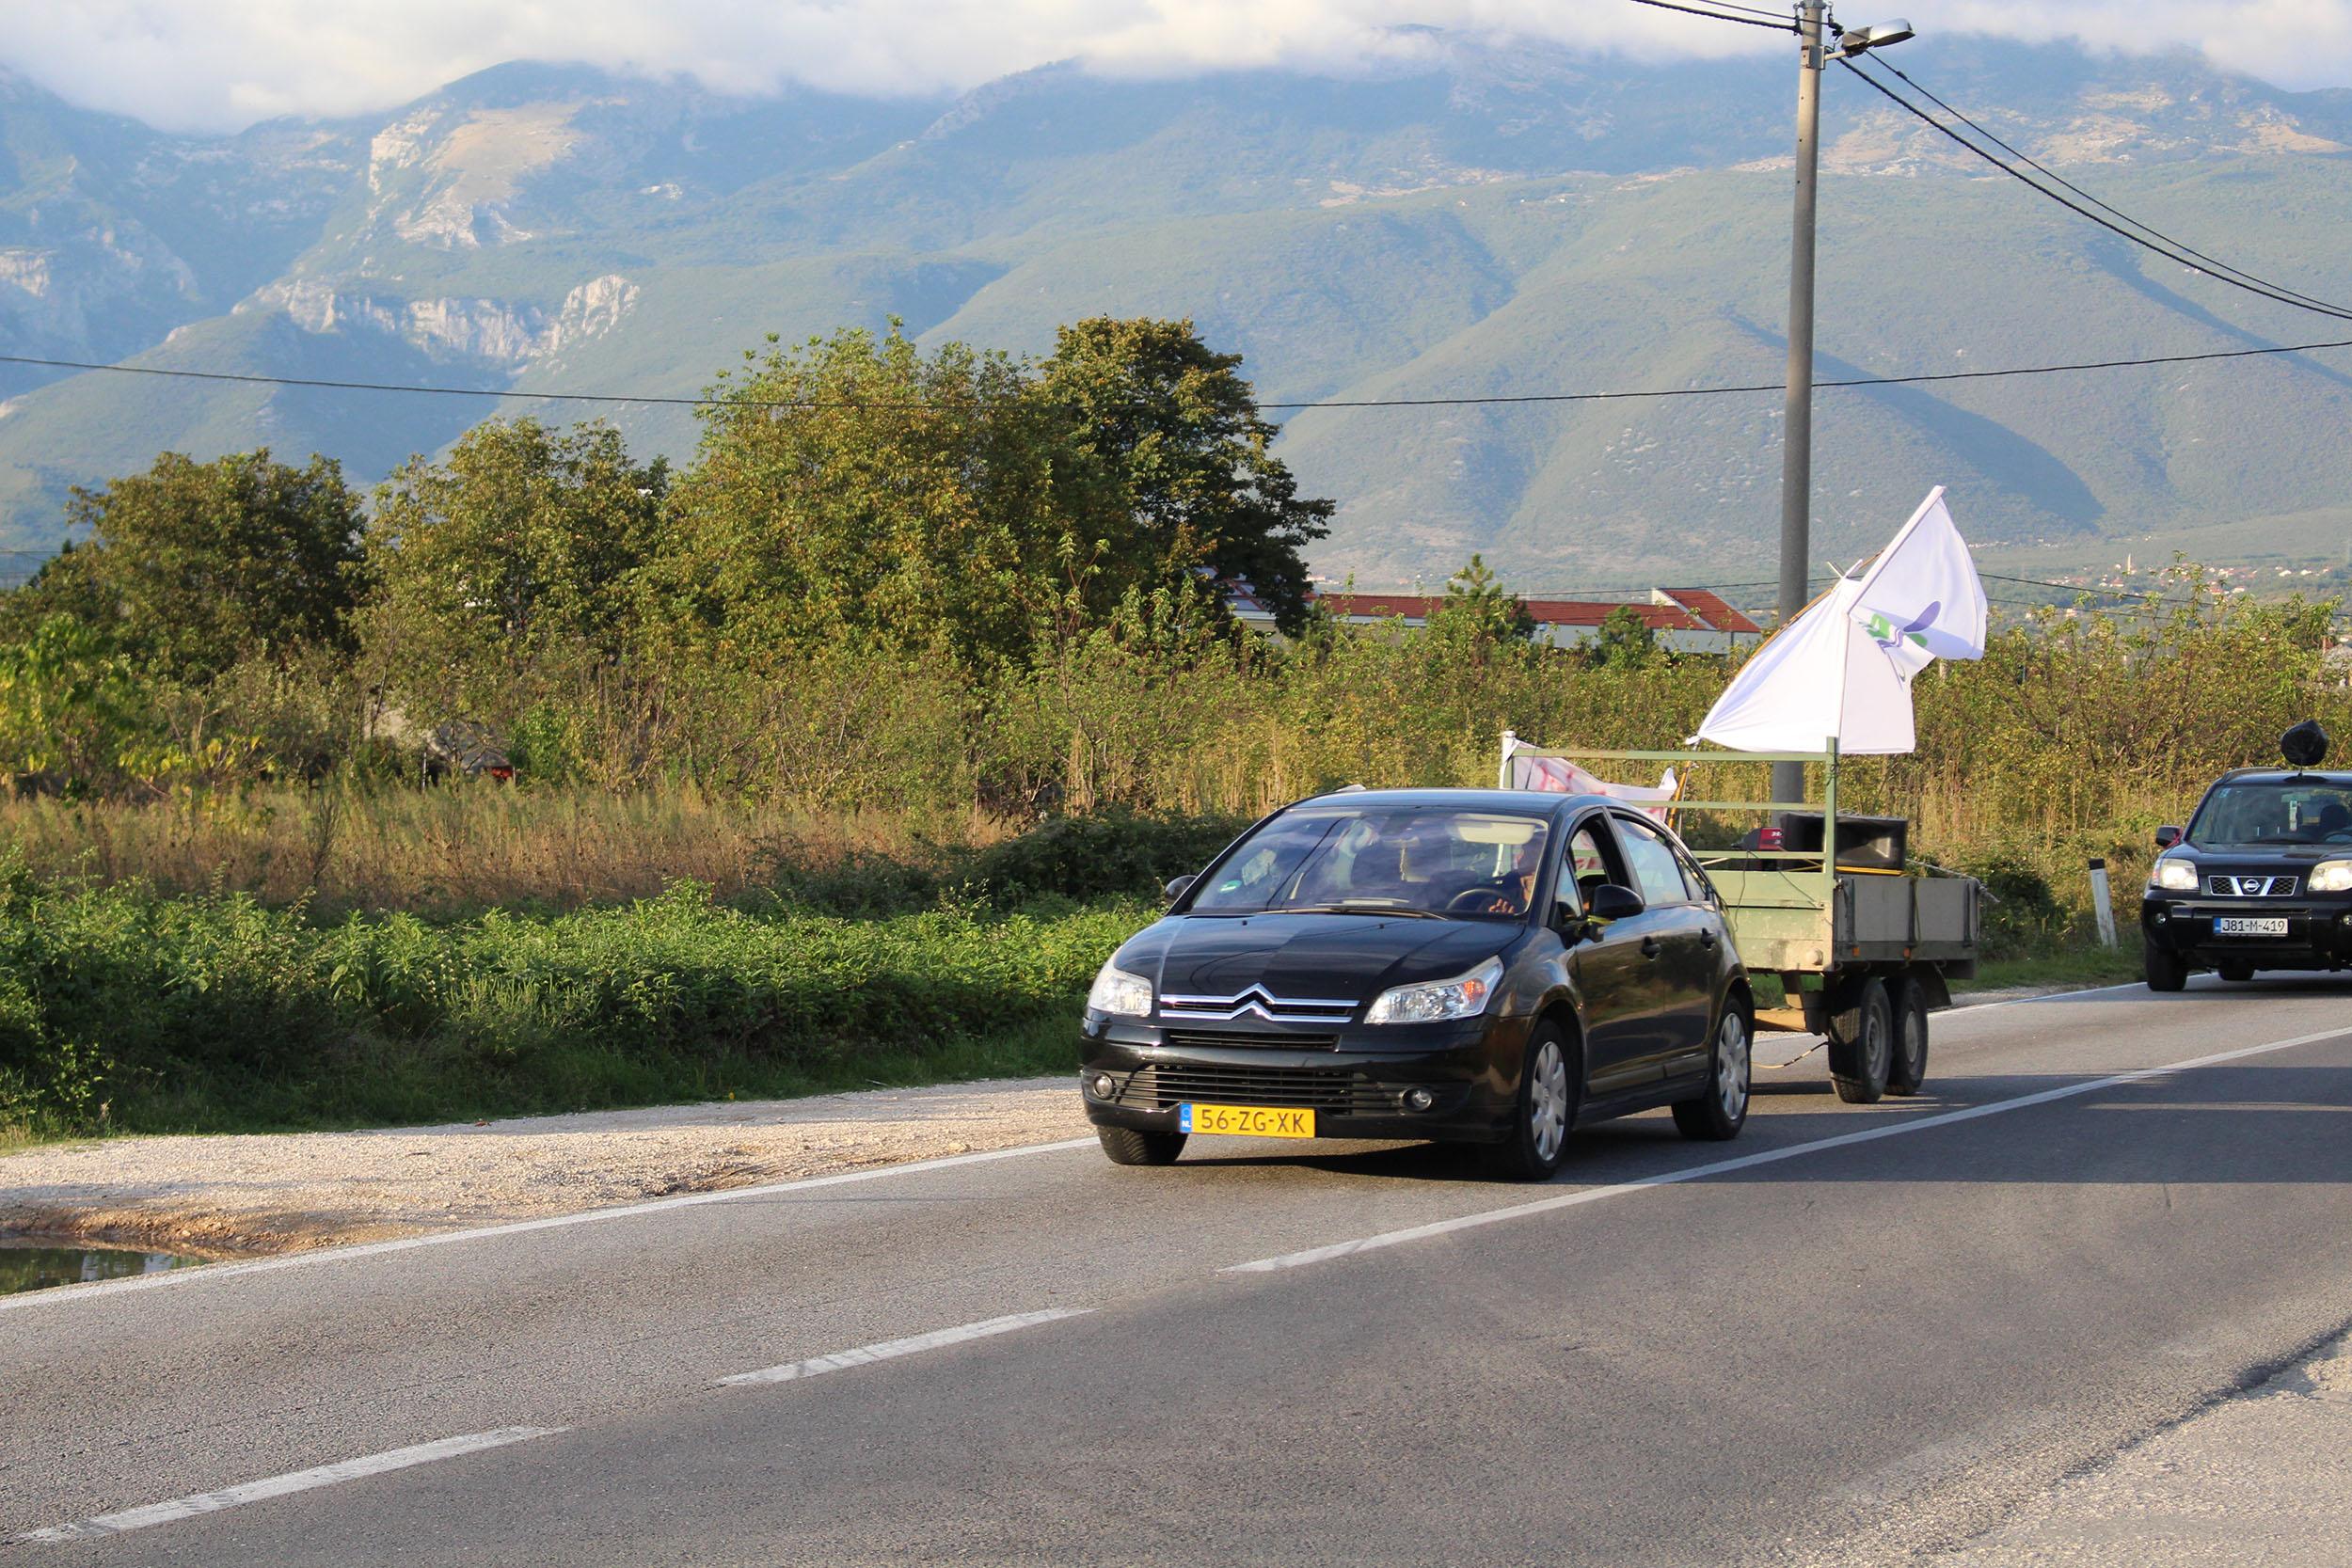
(1717, 1114)
(1543, 1114)
(1130, 1146)
(1907, 1070)
(1862, 1044)
(2236, 970)
(2164, 970)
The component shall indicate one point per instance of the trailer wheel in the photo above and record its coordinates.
(1908, 1068)
(1862, 1043)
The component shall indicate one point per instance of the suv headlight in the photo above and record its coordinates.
(1119, 994)
(2177, 875)
(2331, 877)
(1435, 1001)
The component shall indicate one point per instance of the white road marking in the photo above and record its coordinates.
(912, 1345)
(1764, 1157)
(215, 1271)
(278, 1486)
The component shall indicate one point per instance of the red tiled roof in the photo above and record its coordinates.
(1693, 609)
(1546, 612)
(1712, 608)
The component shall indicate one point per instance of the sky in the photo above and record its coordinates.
(211, 65)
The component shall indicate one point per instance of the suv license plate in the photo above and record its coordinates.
(2249, 925)
(1250, 1121)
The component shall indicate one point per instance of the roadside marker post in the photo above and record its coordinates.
(2100, 902)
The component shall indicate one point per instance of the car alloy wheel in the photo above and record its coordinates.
(1547, 1100)
(1732, 1066)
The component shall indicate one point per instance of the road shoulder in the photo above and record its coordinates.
(254, 1195)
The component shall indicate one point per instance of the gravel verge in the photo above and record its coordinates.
(270, 1193)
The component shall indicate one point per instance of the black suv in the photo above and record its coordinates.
(1479, 966)
(2261, 879)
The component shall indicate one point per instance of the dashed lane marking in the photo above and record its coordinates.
(890, 1349)
(278, 1486)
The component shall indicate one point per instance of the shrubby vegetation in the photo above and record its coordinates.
(920, 661)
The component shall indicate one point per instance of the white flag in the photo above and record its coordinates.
(1921, 599)
(1819, 678)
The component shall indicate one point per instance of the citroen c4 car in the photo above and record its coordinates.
(1478, 966)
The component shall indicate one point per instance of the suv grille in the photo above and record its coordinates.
(1163, 1085)
(2230, 885)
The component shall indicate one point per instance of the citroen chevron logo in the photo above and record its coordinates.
(1262, 1002)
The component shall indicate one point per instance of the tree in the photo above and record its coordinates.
(1479, 612)
(1625, 640)
(1178, 434)
(517, 552)
(854, 490)
(197, 565)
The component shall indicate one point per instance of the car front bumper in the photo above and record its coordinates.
(2318, 933)
(1361, 1085)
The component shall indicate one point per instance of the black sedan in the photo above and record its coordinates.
(1477, 966)
(2261, 878)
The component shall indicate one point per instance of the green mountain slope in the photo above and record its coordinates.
(1478, 221)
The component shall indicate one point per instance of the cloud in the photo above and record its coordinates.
(219, 64)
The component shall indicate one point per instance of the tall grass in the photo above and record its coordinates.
(120, 1009)
(468, 846)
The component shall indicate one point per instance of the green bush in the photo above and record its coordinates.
(216, 1012)
(1117, 853)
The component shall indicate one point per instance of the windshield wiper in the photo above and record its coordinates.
(1404, 910)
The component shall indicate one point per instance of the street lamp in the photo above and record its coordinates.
(1796, 468)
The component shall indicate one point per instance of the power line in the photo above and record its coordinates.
(1759, 20)
(2212, 262)
(2073, 588)
(1616, 395)
(2262, 289)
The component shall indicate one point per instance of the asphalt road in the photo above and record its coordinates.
(1853, 1333)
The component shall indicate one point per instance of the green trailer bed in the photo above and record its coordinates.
(1861, 953)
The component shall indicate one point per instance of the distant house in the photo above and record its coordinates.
(1685, 620)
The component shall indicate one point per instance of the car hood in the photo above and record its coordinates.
(1308, 957)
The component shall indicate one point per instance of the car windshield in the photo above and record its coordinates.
(2276, 813)
(1373, 860)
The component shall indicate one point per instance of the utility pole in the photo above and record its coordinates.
(1796, 458)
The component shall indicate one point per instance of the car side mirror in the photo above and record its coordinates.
(1178, 887)
(1611, 902)
(2168, 836)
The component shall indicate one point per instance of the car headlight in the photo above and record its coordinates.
(2331, 877)
(2176, 875)
(1435, 1001)
(1119, 994)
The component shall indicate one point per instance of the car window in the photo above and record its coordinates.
(1657, 876)
(1590, 863)
(1692, 878)
(2274, 812)
(1462, 863)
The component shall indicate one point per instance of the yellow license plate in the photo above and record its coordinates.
(1250, 1121)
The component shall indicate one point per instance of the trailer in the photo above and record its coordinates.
(1865, 946)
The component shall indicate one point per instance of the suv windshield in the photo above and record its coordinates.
(1468, 865)
(2238, 814)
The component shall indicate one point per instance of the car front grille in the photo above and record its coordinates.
(2230, 885)
(1256, 1002)
(1163, 1085)
(1220, 1039)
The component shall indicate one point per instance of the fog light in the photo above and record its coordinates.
(2162, 917)
(1419, 1100)
(1104, 1086)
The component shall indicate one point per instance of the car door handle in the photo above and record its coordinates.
(1649, 947)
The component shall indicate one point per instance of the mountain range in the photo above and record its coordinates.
(1473, 218)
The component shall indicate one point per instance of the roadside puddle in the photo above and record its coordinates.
(37, 1265)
